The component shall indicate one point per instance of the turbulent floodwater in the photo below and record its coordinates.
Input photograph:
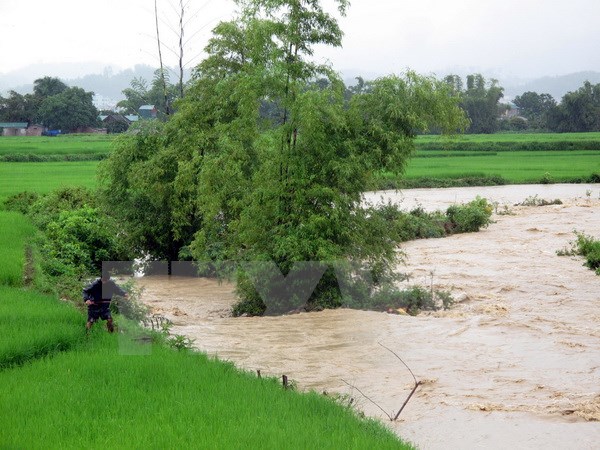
(515, 364)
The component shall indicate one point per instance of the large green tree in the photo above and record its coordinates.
(17, 107)
(48, 86)
(535, 107)
(480, 100)
(578, 111)
(283, 187)
(73, 108)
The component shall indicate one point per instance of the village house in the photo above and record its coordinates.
(21, 129)
(148, 112)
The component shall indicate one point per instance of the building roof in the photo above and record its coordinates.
(13, 124)
(132, 117)
(147, 107)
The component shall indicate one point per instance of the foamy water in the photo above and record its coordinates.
(515, 364)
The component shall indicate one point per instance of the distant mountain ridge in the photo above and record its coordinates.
(557, 86)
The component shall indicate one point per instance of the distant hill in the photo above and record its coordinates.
(557, 86)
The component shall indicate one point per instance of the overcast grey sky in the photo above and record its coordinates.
(517, 38)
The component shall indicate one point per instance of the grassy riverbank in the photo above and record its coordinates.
(61, 388)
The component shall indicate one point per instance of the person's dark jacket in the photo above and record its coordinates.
(102, 292)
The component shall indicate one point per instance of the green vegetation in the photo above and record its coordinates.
(74, 237)
(133, 388)
(412, 300)
(479, 99)
(99, 396)
(73, 147)
(15, 231)
(589, 247)
(53, 104)
(34, 325)
(510, 141)
(483, 160)
(586, 246)
(363, 291)
(44, 177)
(270, 142)
(514, 166)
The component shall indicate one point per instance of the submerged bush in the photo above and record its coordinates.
(412, 300)
(470, 217)
(586, 246)
(363, 284)
(589, 248)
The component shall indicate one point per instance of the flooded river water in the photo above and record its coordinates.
(516, 363)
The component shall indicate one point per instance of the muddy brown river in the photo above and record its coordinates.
(515, 364)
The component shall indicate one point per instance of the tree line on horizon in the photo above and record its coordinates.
(58, 106)
(52, 104)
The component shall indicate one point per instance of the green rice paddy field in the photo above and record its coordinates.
(515, 166)
(511, 138)
(60, 145)
(43, 177)
(517, 158)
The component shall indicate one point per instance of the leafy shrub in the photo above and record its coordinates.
(589, 248)
(547, 179)
(285, 294)
(21, 202)
(470, 217)
(367, 284)
(413, 300)
(49, 207)
(79, 240)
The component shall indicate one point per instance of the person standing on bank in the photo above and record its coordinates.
(97, 296)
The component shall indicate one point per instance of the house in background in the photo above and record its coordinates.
(21, 129)
(36, 130)
(14, 128)
(147, 112)
(117, 123)
(510, 110)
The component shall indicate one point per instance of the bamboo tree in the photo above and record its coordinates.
(160, 59)
(286, 186)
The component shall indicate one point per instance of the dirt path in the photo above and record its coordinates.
(515, 364)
